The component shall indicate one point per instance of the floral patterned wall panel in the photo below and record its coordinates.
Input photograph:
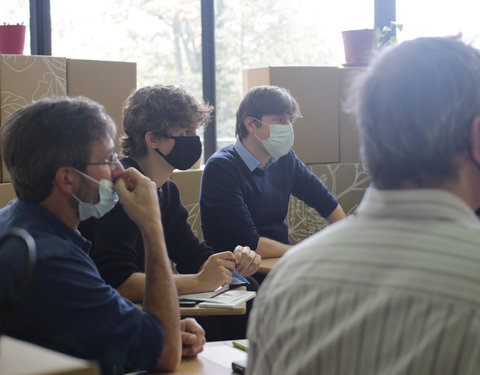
(24, 79)
(188, 183)
(346, 181)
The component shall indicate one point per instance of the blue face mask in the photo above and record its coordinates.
(108, 199)
(280, 140)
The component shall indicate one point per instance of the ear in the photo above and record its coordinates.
(475, 139)
(65, 180)
(151, 139)
(250, 124)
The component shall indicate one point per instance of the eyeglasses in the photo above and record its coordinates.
(111, 161)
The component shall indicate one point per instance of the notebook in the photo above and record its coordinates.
(205, 296)
(228, 299)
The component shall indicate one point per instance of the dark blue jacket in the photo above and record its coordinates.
(67, 306)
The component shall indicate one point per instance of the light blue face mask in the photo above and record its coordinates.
(280, 140)
(108, 199)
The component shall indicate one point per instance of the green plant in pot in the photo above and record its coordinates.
(360, 45)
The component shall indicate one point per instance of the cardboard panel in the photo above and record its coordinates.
(188, 183)
(346, 181)
(316, 91)
(7, 194)
(24, 79)
(255, 77)
(349, 135)
(106, 82)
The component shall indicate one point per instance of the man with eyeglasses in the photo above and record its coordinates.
(246, 186)
(160, 124)
(59, 153)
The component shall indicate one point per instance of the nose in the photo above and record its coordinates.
(117, 170)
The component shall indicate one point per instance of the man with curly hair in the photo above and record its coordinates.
(160, 124)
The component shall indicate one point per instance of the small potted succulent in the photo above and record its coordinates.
(12, 38)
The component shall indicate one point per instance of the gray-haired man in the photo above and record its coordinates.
(394, 289)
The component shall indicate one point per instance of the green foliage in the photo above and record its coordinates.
(384, 37)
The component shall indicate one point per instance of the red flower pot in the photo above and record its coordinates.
(359, 46)
(12, 39)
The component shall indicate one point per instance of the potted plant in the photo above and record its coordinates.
(359, 46)
(12, 38)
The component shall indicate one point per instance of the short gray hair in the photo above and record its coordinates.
(415, 105)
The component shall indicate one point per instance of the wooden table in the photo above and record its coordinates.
(216, 359)
(267, 264)
(206, 311)
(22, 358)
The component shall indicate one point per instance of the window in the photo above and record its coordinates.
(252, 34)
(162, 37)
(438, 18)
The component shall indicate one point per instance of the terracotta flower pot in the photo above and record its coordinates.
(12, 39)
(359, 46)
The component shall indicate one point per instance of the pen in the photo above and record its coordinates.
(239, 277)
(240, 345)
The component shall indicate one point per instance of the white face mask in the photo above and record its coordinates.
(280, 140)
(108, 199)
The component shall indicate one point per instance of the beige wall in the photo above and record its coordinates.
(24, 79)
(326, 133)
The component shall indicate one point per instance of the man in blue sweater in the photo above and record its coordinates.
(246, 186)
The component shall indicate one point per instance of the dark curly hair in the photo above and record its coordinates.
(159, 108)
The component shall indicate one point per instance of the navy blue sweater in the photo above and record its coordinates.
(238, 206)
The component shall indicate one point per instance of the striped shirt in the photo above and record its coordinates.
(394, 289)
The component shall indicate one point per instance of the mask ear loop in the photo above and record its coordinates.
(262, 123)
(157, 150)
(86, 175)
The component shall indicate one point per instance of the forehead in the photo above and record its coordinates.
(277, 117)
(181, 129)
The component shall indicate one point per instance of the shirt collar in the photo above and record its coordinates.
(415, 204)
(53, 224)
(251, 161)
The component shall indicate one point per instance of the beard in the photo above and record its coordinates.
(87, 192)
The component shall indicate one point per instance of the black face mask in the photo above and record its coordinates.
(186, 151)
